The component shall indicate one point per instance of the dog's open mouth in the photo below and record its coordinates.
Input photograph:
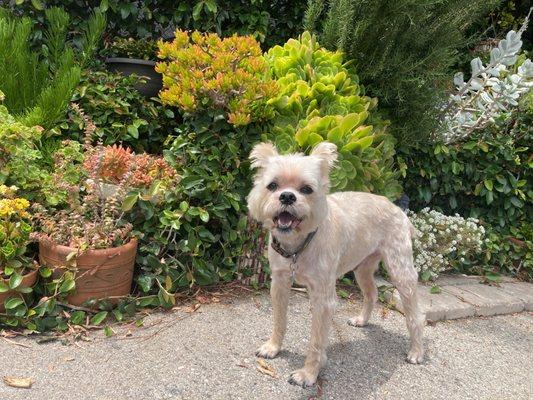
(286, 221)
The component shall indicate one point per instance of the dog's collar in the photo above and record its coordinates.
(276, 245)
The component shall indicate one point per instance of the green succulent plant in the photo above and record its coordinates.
(319, 99)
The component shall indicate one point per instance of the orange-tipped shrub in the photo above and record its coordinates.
(203, 70)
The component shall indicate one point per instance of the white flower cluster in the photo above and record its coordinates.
(443, 242)
(491, 91)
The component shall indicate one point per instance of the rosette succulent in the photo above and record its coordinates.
(319, 99)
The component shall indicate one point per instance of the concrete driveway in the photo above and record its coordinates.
(208, 354)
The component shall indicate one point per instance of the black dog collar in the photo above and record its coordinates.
(276, 245)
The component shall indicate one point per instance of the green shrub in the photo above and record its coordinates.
(39, 84)
(194, 234)
(120, 113)
(402, 51)
(268, 21)
(318, 99)
(486, 176)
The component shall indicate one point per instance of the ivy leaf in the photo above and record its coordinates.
(13, 302)
(3, 287)
(67, 285)
(14, 281)
(98, 318)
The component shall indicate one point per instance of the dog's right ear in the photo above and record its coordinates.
(261, 153)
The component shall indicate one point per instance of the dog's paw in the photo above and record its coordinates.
(415, 356)
(357, 321)
(267, 350)
(302, 378)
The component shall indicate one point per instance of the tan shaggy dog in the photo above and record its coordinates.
(316, 237)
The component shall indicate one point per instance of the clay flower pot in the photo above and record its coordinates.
(100, 273)
(28, 280)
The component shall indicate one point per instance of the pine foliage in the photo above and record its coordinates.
(402, 51)
(38, 83)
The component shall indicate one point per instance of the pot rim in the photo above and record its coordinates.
(24, 276)
(125, 60)
(61, 248)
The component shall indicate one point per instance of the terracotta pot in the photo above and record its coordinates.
(28, 280)
(100, 273)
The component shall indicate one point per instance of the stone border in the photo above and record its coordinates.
(465, 296)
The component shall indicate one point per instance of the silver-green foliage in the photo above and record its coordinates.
(38, 83)
(491, 91)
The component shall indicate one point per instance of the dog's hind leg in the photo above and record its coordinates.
(398, 258)
(364, 275)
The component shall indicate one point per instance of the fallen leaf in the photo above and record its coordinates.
(265, 368)
(192, 309)
(24, 383)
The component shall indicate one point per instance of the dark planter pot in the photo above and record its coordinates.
(144, 68)
(101, 273)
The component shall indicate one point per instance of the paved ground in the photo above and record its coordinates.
(209, 355)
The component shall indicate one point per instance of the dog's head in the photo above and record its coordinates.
(289, 193)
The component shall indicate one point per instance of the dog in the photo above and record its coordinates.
(316, 237)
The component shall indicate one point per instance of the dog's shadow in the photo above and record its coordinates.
(356, 368)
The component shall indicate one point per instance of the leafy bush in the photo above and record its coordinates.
(444, 242)
(204, 71)
(15, 231)
(131, 48)
(120, 113)
(194, 235)
(318, 99)
(487, 176)
(402, 51)
(20, 159)
(39, 84)
(268, 21)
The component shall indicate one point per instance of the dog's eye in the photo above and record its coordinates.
(306, 189)
(272, 186)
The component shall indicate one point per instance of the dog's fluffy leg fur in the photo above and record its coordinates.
(323, 301)
(398, 259)
(364, 275)
(279, 292)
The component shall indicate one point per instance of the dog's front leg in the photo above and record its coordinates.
(279, 292)
(322, 307)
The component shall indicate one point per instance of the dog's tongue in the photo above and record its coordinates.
(285, 218)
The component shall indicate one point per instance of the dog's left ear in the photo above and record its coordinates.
(261, 153)
(327, 152)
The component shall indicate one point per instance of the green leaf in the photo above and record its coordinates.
(3, 287)
(45, 272)
(488, 184)
(38, 4)
(342, 293)
(67, 285)
(98, 318)
(15, 280)
(108, 332)
(204, 215)
(133, 131)
(77, 317)
(435, 289)
(13, 302)
(129, 201)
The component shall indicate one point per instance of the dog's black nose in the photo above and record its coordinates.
(287, 198)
